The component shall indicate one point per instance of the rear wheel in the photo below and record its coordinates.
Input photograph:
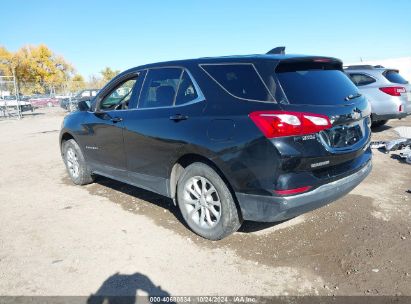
(206, 203)
(75, 163)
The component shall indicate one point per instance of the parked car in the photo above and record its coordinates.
(10, 103)
(71, 103)
(259, 137)
(387, 91)
(41, 101)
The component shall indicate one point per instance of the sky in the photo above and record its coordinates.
(124, 33)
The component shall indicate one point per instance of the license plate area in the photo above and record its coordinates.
(343, 136)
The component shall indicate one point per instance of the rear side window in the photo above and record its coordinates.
(316, 86)
(240, 80)
(186, 90)
(160, 87)
(361, 79)
(394, 77)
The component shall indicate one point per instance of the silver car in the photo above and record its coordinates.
(387, 91)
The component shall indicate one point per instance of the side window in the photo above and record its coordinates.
(119, 97)
(240, 80)
(361, 79)
(186, 90)
(85, 94)
(160, 87)
(93, 93)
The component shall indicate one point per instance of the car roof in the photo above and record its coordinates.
(233, 58)
(361, 68)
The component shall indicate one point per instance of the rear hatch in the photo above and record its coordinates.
(318, 87)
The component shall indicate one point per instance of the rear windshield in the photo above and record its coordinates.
(394, 77)
(240, 80)
(320, 87)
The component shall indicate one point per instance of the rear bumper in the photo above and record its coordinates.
(377, 117)
(272, 209)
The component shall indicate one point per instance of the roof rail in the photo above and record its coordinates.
(359, 67)
(277, 50)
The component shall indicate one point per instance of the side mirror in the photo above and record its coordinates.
(84, 105)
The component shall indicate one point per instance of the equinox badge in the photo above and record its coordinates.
(323, 163)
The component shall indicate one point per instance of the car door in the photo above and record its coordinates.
(105, 144)
(155, 131)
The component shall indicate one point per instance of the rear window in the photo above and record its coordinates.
(394, 77)
(320, 87)
(240, 80)
(361, 79)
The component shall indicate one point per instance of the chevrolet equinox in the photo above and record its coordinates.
(258, 137)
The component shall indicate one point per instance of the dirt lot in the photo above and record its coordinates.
(108, 237)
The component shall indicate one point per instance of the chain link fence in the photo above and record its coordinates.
(20, 99)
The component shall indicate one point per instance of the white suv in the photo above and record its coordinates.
(387, 91)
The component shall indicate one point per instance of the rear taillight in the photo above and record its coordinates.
(293, 191)
(393, 91)
(283, 123)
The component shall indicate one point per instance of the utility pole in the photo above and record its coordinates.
(16, 93)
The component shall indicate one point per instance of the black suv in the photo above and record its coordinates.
(260, 137)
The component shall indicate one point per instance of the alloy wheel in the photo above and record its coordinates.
(202, 202)
(72, 163)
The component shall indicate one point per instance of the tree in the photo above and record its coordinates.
(109, 74)
(6, 70)
(77, 83)
(95, 82)
(37, 69)
(5, 61)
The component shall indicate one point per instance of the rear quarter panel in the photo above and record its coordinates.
(381, 103)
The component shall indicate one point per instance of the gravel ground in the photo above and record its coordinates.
(108, 237)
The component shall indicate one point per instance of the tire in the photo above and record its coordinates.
(220, 216)
(75, 163)
(379, 123)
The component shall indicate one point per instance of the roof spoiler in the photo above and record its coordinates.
(278, 50)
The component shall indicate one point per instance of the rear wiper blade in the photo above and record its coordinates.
(352, 96)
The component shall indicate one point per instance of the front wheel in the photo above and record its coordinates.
(76, 164)
(206, 203)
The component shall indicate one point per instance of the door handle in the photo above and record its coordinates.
(178, 117)
(116, 119)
